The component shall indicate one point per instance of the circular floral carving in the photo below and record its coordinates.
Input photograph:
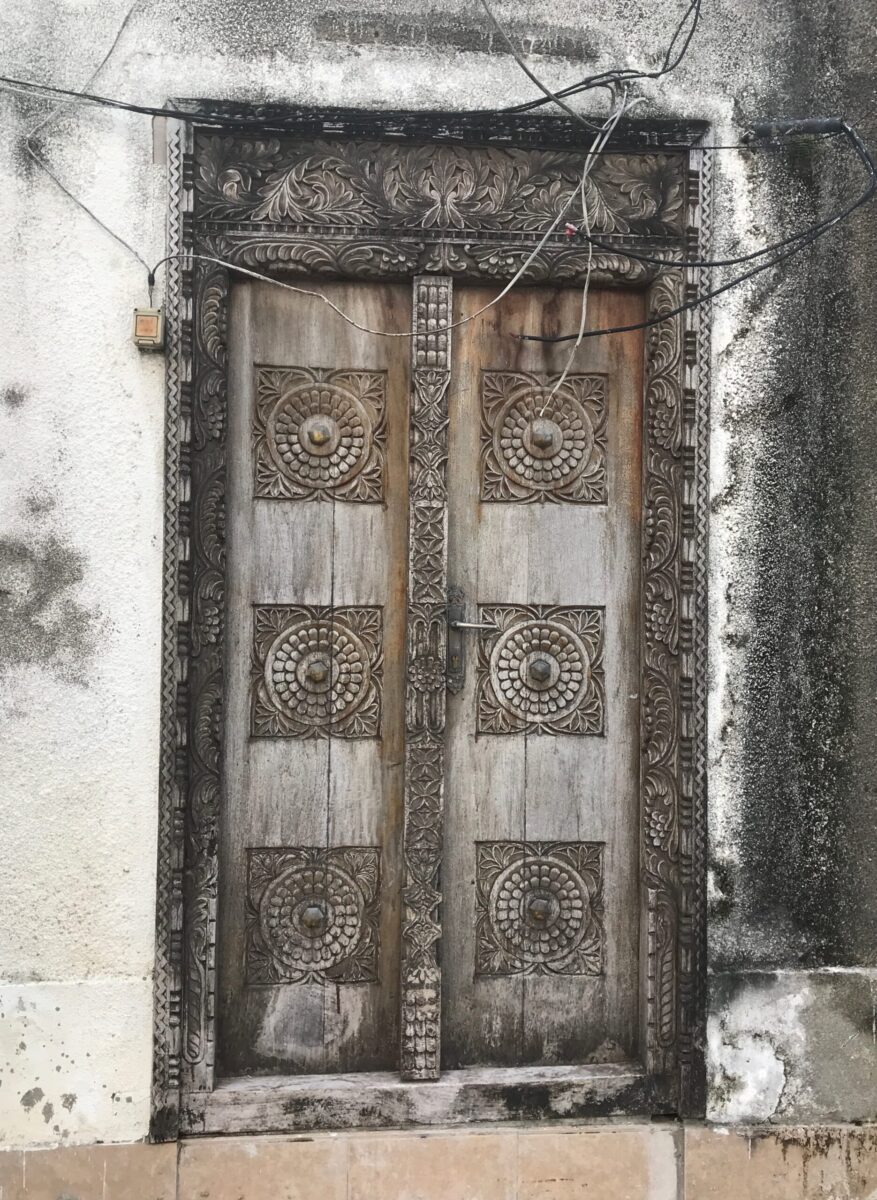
(319, 436)
(540, 670)
(543, 442)
(311, 916)
(539, 909)
(317, 671)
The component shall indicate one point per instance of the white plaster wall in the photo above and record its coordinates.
(81, 470)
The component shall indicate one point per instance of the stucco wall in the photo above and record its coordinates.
(794, 667)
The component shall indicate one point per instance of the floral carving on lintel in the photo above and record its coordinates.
(373, 185)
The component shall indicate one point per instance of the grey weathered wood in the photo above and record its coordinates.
(330, 792)
(381, 1100)
(535, 787)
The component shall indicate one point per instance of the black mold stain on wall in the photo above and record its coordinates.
(40, 621)
(805, 890)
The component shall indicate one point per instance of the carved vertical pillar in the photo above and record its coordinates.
(425, 688)
(665, 634)
(207, 448)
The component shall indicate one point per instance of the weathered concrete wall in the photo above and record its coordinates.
(794, 661)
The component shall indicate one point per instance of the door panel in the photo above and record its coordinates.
(541, 901)
(539, 921)
(313, 735)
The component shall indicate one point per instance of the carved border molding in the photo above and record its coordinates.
(674, 563)
(425, 685)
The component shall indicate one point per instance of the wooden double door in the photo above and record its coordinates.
(429, 854)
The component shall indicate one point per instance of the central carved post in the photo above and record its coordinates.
(425, 688)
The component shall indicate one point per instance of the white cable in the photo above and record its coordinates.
(382, 332)
(596, 148)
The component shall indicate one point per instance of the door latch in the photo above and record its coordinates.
(457, 625)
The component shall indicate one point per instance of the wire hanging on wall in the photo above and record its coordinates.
(764, 136)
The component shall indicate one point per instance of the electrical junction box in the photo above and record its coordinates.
(148, 328)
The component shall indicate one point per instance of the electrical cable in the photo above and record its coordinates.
(535, 78)
(151, 273)
(599, 141)
(44, 166)
(605, 78)
(803, 241)
(654, 260)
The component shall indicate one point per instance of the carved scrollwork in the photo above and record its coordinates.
(539, 908)
(312, 915)
(206, 679)
(540, 670)
(425, 686)
(538, 443)
(319, 434)
(660, 734)
(349, 254)
(431, 187)
(317, 672)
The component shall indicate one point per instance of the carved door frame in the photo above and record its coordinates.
(228, 201)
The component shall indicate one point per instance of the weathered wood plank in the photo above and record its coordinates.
(567, 542)
(380, 1100)
(313, 548)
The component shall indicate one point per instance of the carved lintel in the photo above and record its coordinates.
(425, 688)
(373, 187)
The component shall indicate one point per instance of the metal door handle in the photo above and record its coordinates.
(456, 667)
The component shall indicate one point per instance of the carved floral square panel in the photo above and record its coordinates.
(317, 672)
(320, 434)
(538, 908)
(312, 915)
(540, 670)
(541, 444)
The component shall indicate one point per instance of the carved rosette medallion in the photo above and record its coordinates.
(316, 672)
(540, 670)
(539, 908)
(319, 434)
(312, 915)
(542, 444)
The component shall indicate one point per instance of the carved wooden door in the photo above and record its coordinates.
(541, 909)
(316, 505)
(411, 881)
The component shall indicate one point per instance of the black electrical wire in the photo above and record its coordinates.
(819, 226)
(610, 78)
(802, 240)
(44, 91)
(548, 94)
(213, 120)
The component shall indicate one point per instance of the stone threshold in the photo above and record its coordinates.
(518, 1161)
